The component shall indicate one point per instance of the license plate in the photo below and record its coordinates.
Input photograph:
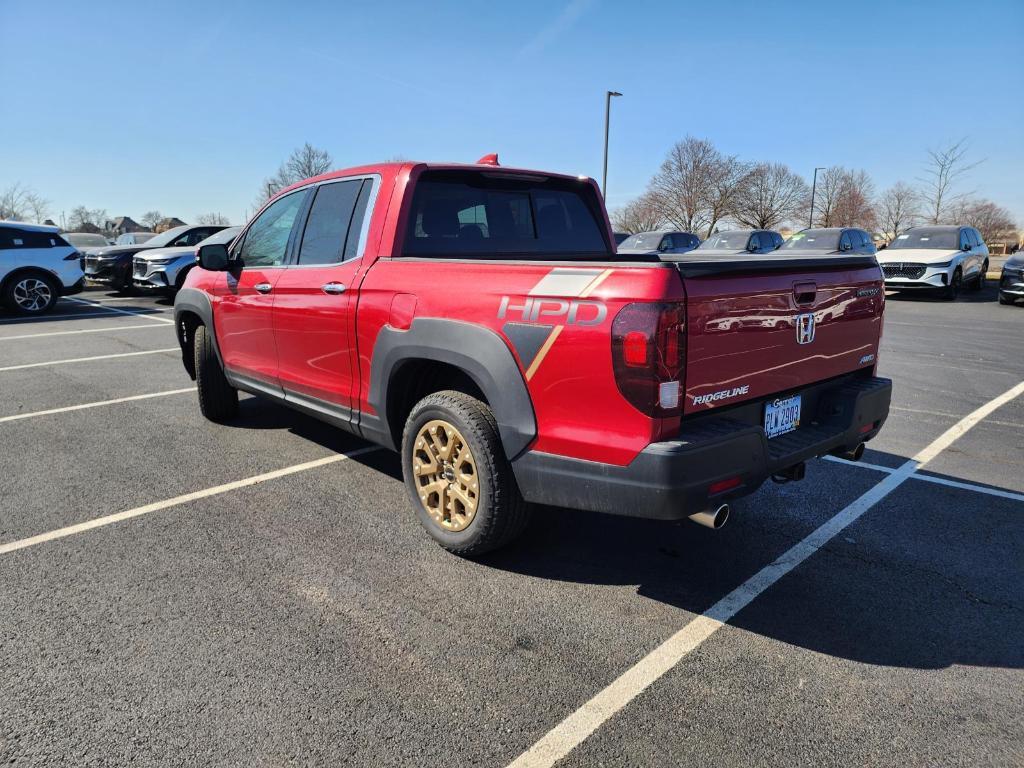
(782, 416)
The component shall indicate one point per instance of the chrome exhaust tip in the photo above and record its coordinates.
(712, 518)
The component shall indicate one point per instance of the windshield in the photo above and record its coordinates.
(814, 240)
(85, 240)
(726, 241)
(130, 238)
(642, 241)
(165, 238)
(223, 237)
(940, 238)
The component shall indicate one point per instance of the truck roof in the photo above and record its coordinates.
(395, 167)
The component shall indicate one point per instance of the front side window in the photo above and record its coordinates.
(266, 242)
(845, 242)
(497, 215)
(329, 224)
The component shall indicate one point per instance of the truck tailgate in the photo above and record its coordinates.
(768, 325)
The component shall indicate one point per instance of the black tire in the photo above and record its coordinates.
(1004, 299)
(501, 513)
(979, 282)
(952, 290)
(31, 294)
(218, 400)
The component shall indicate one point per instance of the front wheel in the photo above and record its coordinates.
(955, 284)
(457, 476)
(218, 400)
(31, 294)
(979, 282)
(1004, 299)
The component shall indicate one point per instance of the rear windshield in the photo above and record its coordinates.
(494, 215)
(811, 240)
(928, 237)
(726, 241)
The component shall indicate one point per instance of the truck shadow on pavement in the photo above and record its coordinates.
(987, 295)
(927, 578)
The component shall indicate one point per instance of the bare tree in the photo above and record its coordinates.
(214, 219)
(82, 218)
(151, 218)
(844, 198)
(768, 196)
(995, 223)
(696, 185)
(942, 171)
(20, 203)
(640, 215)
(855, 207)
(304, 162)
(899, 209)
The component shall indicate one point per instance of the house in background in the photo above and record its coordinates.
(169, 223)
(124, 224)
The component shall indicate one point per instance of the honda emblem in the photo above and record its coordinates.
(805, 328)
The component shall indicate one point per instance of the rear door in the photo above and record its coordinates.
(245, 296)
(316, 296)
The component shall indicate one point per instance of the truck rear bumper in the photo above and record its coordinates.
(673, 479)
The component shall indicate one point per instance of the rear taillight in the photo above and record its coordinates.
(649, 354)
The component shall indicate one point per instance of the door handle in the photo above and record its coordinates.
(333, 288)
(263, 287)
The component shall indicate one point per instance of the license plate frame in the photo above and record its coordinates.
(782, 416)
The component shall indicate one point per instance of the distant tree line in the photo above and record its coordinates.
(700, 189)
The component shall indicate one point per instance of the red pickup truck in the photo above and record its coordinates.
(477, 319)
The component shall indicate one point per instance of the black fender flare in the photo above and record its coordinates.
(196, 302)
(474, 349)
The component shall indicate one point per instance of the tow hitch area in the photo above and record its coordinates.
(790, 474)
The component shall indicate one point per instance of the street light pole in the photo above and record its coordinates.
(814, 189)
(607, 114)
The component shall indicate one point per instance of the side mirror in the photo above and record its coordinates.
(965, 248)
(214, 257)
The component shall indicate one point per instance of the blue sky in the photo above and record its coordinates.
(185, 107)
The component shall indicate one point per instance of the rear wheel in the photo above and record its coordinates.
(457, 476)
(218, 400)
(955, 284)
(31, 293)
(1004, 299)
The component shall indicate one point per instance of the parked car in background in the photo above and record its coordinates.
(742, 241)
(831, 240)
(165, 268)
(1011, 281)
(943, 258)
(85, 240)
(37, 267)
(113, 266)
(654, 243)
(619, 237)
(134, 238)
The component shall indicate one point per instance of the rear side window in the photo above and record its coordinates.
(11, 238)
(473, 214)
(329, 225)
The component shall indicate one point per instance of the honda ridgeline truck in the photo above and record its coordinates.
(477, 319)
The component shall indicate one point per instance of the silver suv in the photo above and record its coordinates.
(165, 268)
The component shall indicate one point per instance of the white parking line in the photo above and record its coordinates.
(86, 314)
(88, 359)
(82, 330)
(117, 517)
(120, 311)
(934, 479)
(108, 299)
(572, 731)
(97, 404)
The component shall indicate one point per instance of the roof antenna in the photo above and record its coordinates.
(491, 159)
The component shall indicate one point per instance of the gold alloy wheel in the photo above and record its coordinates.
(445, 474)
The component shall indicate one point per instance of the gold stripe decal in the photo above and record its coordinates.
(596, 282)
(543, 351)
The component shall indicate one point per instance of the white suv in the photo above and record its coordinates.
(937, 257)
(37, 267)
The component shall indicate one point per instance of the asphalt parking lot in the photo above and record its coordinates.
(870, 614)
